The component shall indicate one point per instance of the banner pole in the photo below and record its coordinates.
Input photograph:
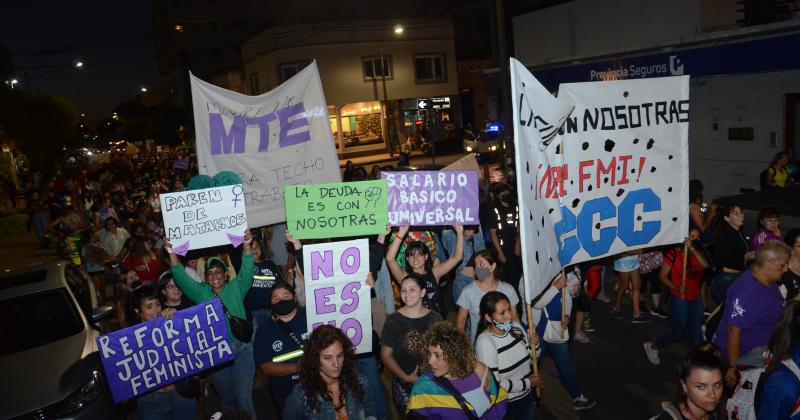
(563, 304)
(683, 273)
(532, 331)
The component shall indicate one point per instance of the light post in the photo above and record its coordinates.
(398, 30)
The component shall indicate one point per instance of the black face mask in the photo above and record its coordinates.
(284, 307)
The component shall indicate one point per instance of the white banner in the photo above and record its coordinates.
(336, 293)
(282, 137)
(203, 218)
(608, 176)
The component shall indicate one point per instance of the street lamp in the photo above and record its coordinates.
(78, 64)
(143, 89)
(398, 29)
(13, 82)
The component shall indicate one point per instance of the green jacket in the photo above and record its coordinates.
(232, 295)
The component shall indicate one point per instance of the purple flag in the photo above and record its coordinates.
(432, 198)
(153, 354)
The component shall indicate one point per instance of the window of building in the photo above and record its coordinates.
(254, 88)
(373, 68)
(287, 70)
(430, 68)
(361, 124)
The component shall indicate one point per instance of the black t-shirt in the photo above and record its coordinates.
(265, 275)
(730, 246)
(504, 220)
(791, 281)
(272, 340)
(404, 336)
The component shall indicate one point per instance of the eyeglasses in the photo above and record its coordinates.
(218, 273)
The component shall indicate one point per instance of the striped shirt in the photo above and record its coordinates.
(430, 401)
(509, 358)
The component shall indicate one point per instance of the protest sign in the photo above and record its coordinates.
(335, 290)
(282, 137)
(182, 163)
(467, 162)
(205, 217)
(158, 352)
(336, 210)
(602, 169)
(432, 198)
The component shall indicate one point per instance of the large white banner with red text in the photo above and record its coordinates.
(602, 169)
(282, 137)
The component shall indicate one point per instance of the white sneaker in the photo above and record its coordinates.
(581, 337)
(652, 354)
(602, 297)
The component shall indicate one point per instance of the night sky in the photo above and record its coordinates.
(112, 37)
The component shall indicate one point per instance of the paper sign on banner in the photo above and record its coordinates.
(602, 169)
(336, 293)
(156, 353)
(280, 138)
(203, 218)
(336, 210)
(432, 198)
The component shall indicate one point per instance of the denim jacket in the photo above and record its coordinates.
(297, 405)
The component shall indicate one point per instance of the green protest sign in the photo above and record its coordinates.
(336, 210)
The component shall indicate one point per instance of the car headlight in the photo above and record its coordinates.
(469, 148)
(83, 396)
(494, 148)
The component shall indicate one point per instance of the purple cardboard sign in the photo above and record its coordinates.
(153, 354)
(432, 198)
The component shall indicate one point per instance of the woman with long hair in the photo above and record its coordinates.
(402, 338)
(487, 280)
(234, 382)
(685, 304)
(455, 384)
(731, 251)
(701, 387)
(769, 227)
(419, 261)
(503, 347)
(781, 389)
(143, 259)
(331, 386)
(172, 299)
(778, 175)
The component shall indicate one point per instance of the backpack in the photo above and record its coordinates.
(742, 404)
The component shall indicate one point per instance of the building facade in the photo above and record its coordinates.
(745, 88)
(383, 81)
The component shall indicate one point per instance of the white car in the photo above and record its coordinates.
(48, 348)
(480, 144)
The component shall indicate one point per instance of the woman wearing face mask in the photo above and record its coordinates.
(455, 385)
(402, 337)
(234, 383)
(418, 261)
(503, 347)
(701, 389)
(486, 280)
(278, 343)
(731, 251)
(165, 402)
(331, 387)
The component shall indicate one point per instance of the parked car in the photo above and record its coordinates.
(484, 145)
(48, 350)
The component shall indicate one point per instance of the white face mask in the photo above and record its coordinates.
(502, 326)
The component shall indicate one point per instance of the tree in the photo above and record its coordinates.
(39, 125)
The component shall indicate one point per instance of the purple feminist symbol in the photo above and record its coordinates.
(181, 249)
(236, 240)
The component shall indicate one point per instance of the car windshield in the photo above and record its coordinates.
(37, 319)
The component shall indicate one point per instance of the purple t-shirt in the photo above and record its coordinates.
(762, 236)
(754, 308)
